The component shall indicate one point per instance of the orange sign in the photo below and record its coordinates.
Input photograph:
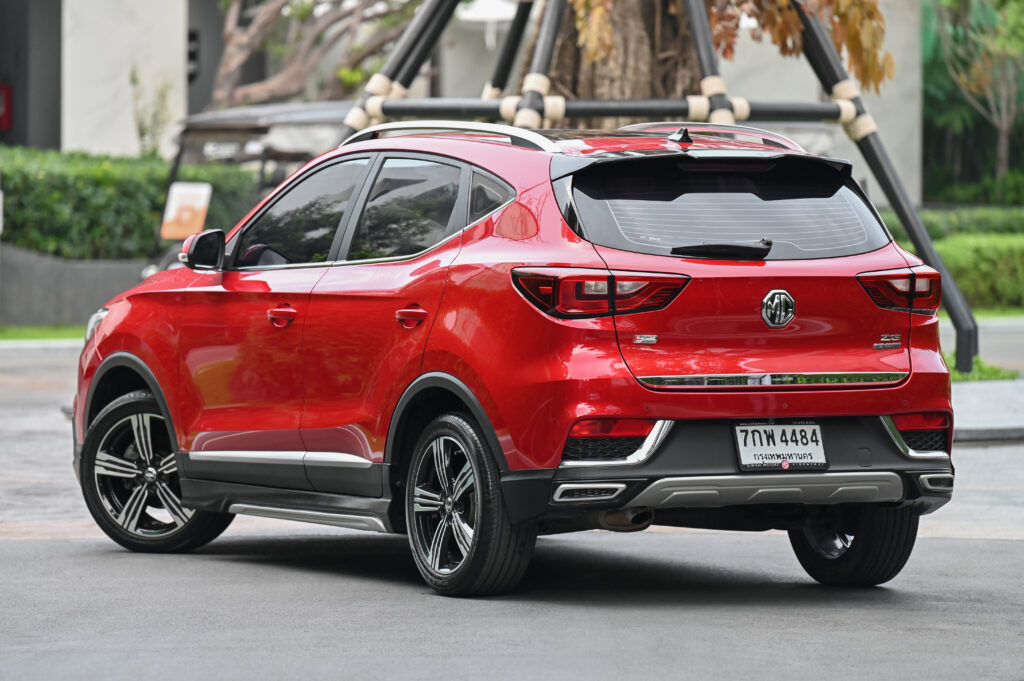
(185, 212)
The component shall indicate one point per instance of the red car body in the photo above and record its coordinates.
(314, 359)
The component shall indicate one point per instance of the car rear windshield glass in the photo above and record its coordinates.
(807, 208)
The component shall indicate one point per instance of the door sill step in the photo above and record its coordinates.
(352, 522)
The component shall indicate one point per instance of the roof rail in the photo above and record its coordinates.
(715, 128)
(519, 137)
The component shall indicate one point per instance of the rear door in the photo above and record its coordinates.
(800, 316)
(370, 316)
(241, 361)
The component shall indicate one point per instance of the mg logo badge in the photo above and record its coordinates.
(778, 308)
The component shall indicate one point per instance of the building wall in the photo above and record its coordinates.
(102, 41)
(30, 49)
(758, 73)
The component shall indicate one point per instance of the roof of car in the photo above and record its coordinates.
(654, 137)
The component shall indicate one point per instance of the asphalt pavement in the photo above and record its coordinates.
(272, 599)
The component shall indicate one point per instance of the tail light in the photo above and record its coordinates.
(579, 293)
(918, 290)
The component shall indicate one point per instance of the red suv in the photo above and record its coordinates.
(475, 334)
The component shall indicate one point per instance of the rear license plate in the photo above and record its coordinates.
(793, 446)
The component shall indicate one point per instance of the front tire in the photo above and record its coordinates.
(871, 551)
(130, 481)
(459, 531)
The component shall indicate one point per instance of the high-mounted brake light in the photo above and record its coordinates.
(917, 290)
(569, 293)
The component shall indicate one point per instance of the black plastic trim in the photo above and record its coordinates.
(438, 379)
(210, 495)
(130, 361)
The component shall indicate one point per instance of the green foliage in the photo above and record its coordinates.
(981, 371)
(988, 268)
(965, 220)
(80, 206)
(58, 331)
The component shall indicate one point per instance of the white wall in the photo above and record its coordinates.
(102, 39)
(758, 73)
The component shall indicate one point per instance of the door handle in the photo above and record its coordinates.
(282, 315)
(410, 317)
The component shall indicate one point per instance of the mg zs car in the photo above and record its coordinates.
(474, 334)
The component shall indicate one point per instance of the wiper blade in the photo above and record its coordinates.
(733, 251)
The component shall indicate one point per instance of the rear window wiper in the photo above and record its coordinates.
(733, 251)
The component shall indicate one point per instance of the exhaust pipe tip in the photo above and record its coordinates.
(626, 519)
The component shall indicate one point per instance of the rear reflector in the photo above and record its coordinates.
(932, 420)
(579, 293)
(917, 290)
(612, 428)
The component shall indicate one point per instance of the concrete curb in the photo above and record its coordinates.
(968, 435)
(41, 344)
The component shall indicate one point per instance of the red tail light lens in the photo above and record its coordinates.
(576, 293)
(612, 428)
(934, 420)
(918, 290)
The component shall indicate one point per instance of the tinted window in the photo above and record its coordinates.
(299, 227)
(408, 210)
(485, 196)
(808, 209)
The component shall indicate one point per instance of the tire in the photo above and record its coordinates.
(130, 481)
(459, 530)
(879, 547)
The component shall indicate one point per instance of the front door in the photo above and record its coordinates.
(241, 368)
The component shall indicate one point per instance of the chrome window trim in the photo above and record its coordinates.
(894, 433)
(653, 440)
(614, 487)
(772, 379)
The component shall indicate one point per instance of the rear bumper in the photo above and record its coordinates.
(695, 466)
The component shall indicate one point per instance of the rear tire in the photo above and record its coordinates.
(130, 481)
(459, 532)
(881, 542)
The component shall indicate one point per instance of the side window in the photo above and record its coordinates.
(300, 226)
(408, 210)
(485, 196)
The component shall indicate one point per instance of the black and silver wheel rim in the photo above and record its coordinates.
(136, 477)
(445, 510)
(828, 543)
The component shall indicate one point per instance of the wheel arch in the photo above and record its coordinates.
(120, 374)
(426, 398)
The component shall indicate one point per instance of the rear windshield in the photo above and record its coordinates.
(807, 208)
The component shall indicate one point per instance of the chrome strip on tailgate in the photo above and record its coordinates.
(810, 379)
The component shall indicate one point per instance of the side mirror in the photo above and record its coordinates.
(203, 251)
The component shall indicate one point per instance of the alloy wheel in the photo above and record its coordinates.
(136, 477)
(446, 508)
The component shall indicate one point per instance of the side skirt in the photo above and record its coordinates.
(340, 510)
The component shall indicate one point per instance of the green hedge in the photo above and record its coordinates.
(964, 220)
(81, 206)
(988, 268)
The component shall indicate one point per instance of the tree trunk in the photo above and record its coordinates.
(653, 57)
(1003, 149)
